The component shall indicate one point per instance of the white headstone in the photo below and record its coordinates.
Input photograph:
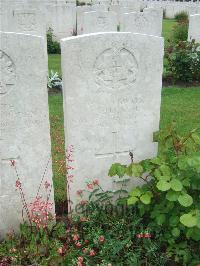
(194, 27)
(156, 15)
(112, 92)
(79, 17)
(24, 123)
(29, 21)
(142, 22)
(62, 19)
(99, 22)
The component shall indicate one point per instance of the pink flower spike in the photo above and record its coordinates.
(79, 192)
(80, 259)
(90, 186)
(92, 253)
(18, 184)
(96, 182)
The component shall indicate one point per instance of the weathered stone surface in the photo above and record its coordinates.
(29, 21)
(147, 22)
(24, 122)
(99, 22)
(194, 27)
(62, 19)
(79, 17)
(112, 92)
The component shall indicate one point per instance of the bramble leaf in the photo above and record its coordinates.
(172, 195)
(188, 220)
(185, 200)
(163, 185)
(176, 184)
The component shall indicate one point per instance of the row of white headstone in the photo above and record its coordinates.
(147, 22)
(112, 91)
(36, 17)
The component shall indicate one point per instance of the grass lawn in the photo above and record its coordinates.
(179, 104)
(55, 63)
(168, 25)
(54, 59)
(57, 143)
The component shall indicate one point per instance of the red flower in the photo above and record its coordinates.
(86, 241)
(96, 182)
(92, 253)
(79, 263)
(147, 235)
(83, 219)
(80, 259)
(139, 235)
(76, 237)
(85, 250)
(61, 251)
(90, 186)
(101, 239)
(83, 202)
(79, 192)
(78, 245)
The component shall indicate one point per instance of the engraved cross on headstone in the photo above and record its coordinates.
(116, 151)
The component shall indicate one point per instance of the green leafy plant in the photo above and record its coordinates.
(184, 61)
(53, 47)
(169, 197)
(180, 32)
(181, 16)
(54, 81)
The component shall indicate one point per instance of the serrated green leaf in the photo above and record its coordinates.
(156, 160)
(174, 220)
(160, 219)
(113, 170)
(136, 192)
(132, 200)
(137, 170)
(121, 170)
(186, 182)
(194, 233)
(182, 163)
(145, 198)
(172, 195)
(188, 220)
(176, 232)
(157, 174)
(163, 185)
(117, 169)
(176, 184)
(185, 200)
(165, 170)
(165, 178)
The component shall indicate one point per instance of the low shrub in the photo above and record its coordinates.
(54, 81)
(53, 47)
(181, 16)
(183, 61)
(169, 200)
(180, 32)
